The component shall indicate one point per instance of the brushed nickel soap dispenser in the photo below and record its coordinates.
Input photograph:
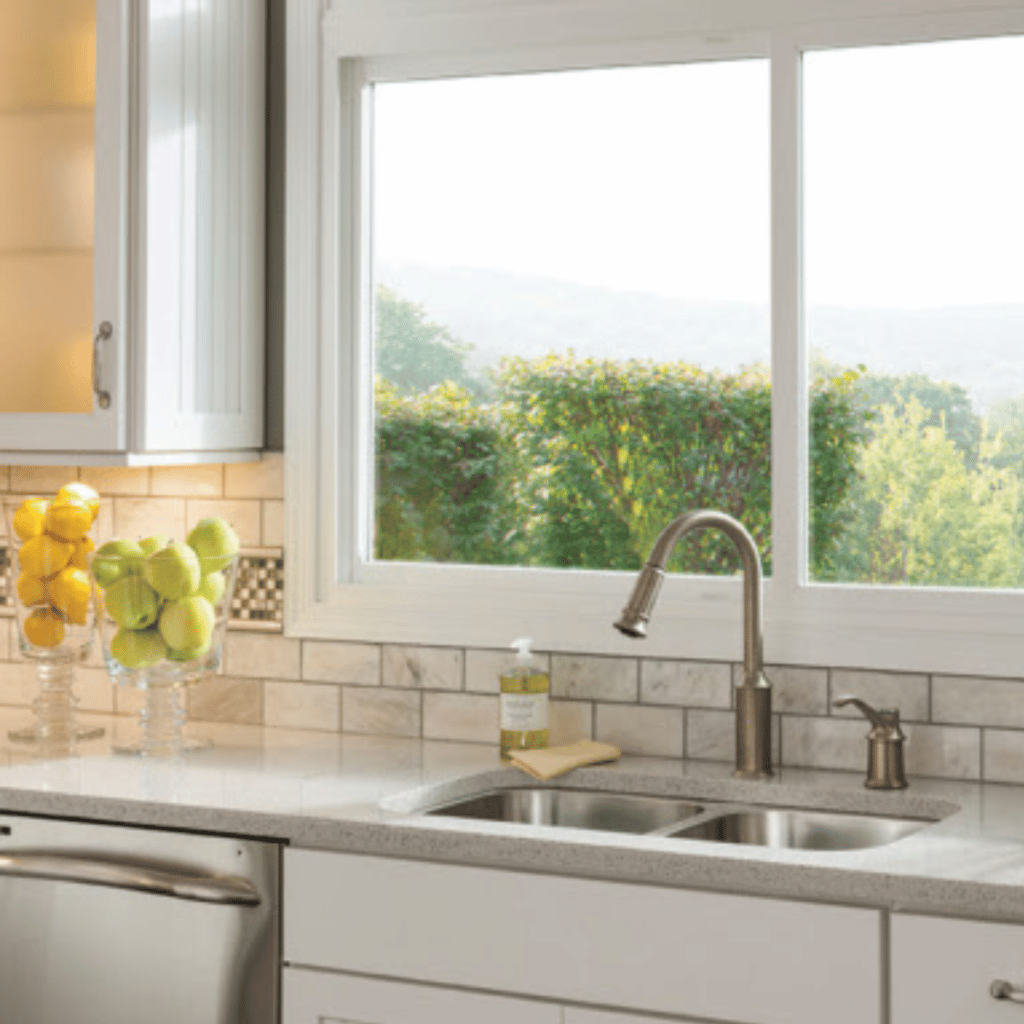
(885, 744)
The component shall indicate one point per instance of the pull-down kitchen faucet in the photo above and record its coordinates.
(754, 694)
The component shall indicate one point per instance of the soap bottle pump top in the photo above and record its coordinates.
(521, 645)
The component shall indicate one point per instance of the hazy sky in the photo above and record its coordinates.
(656, 179)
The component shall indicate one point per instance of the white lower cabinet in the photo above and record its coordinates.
(569, 942)
(943, 970)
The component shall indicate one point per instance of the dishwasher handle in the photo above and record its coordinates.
(202, 888)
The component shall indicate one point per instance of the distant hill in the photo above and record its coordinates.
(504, 313)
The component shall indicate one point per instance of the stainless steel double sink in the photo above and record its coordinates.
(637, 814)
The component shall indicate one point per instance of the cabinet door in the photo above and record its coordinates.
(942, 970)
(63, 183)
(131, 128)
(317, 997)
(580, 941)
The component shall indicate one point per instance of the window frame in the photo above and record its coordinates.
(333, 51)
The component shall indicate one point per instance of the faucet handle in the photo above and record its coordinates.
(885, 744)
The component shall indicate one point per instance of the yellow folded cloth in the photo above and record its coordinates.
(551, 761)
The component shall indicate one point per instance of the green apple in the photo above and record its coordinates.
(212, 587)
(132, 603)
(214, 541)
(115, 560)
(187, 624)
(138, 648)
(154, 543)
(192, 654)
(173, 571)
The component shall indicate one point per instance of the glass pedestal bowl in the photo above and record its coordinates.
(54, 600)
(139, 630)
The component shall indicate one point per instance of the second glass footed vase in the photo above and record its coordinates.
(163, 617)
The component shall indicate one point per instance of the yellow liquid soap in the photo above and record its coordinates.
(524, 710)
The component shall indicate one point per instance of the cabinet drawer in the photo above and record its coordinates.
(942, 970)
(639, 947)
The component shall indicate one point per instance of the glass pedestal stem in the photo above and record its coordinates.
(55, 727)
(162, 723)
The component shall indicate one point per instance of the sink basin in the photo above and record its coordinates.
(800, 830)
(572, 808)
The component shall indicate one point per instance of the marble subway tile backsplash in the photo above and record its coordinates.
(169, 498)
(957, 727)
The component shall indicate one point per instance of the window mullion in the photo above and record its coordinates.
(789, 356)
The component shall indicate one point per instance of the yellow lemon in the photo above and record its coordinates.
(83, 493)
(44, 556)
(44, 628)
(68, 519)
(31, 590)
(80, 556)
(28, 520)
(70, 593)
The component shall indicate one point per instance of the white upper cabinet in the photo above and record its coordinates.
(132, 154)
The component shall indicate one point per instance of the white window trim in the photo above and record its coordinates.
(331, 593)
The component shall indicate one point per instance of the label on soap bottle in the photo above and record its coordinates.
(524, 712)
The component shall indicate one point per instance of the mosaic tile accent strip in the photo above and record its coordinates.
(259, 590)
(258, 602)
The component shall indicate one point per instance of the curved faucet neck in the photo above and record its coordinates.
(703, 519)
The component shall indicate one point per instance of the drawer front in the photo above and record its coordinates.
(644, 948)
(942, 970)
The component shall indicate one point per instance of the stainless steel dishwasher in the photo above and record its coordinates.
(109, 925)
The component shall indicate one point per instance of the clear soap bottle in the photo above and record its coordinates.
(524, 703)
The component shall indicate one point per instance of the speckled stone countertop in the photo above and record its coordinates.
(358, 794)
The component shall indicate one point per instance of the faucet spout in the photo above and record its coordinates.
(753, 696)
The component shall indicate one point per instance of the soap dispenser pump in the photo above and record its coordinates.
(524, 703)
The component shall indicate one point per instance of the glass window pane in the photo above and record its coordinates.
(571, 275)
(47, 90)
(914, 217)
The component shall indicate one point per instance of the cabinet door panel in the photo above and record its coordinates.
(316, 997)
(46, 333)
(63, 178)
(46, 181)
(638, 947)
(942, 970)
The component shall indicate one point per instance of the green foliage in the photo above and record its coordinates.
(839, 424)
(944, 403)
(446, 479)
(412, 353)
(922, 517)
(618, 449)
(583, 463)
(1006, 423)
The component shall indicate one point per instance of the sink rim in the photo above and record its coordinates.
(918, 814)
(696, 809)
(780, 793)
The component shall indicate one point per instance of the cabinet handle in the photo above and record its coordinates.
(1004, 990)
(105, 333)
